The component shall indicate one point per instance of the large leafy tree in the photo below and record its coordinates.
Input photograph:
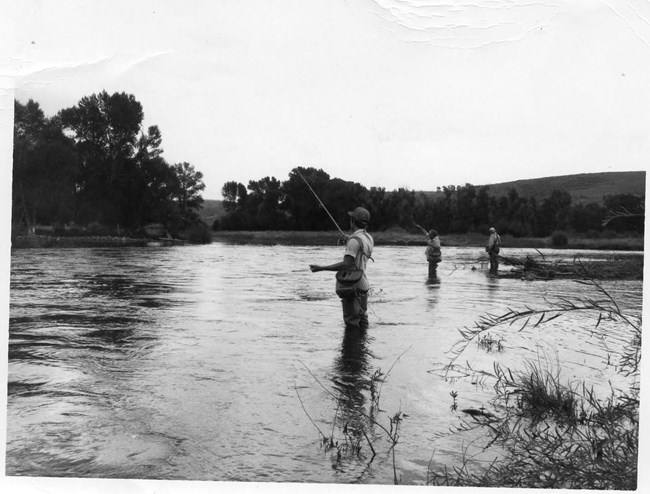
(341, 196)
(402, 207)
(482, 209)
(167, 194)
(235, 197)
(187, 192)
(465, 207)
(304, 211)
(45, 168)
(586, 218)
(554, 212)
(94, 162)
(149, 192)
(29, 122)
(377, 207)
(235, 203)
(264, 203)
(108, 125)
(105, 129)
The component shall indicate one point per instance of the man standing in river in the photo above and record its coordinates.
(432, 252)
(492, 248)
(358, 249)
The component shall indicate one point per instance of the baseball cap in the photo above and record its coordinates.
(361, 215)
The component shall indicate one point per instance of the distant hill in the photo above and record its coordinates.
(584, 188)
(211, 210)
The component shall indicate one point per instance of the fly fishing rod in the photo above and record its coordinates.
(321, 203)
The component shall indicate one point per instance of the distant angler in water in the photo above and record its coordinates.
(493, 248)
(432, 252)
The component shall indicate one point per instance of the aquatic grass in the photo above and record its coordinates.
(550, 433)
(350, 444)
(375, 391)
(454, 404)
(539, 393)
(490, 344)
(599, 450)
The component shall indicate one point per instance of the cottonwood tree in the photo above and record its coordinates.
(105, 129)
(45, 169)
(554, 211)
(187, 192)
(302, 208)
(264, 203)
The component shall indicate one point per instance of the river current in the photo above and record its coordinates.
(231, 363)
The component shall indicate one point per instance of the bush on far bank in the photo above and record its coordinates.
(199, 234)
(559, 239)
(94, 229)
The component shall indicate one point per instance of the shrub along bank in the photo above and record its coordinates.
(399, 236)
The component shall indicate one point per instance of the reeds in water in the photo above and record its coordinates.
(550, 433)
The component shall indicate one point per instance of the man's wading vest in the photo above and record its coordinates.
(432, 251)
(366, 243)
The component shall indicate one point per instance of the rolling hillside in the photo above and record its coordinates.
(584, 188)
(211, 210)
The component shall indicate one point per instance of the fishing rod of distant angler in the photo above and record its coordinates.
(321, 203)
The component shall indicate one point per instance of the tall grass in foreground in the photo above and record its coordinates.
(360, 424)
(552, 433)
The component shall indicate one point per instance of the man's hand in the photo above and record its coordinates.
(314, 268)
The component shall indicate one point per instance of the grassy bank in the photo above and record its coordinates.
(394, 236)
(52, 241)
(398, 236)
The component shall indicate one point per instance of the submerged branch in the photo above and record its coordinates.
(324, 437)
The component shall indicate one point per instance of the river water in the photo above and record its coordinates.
(223, 362)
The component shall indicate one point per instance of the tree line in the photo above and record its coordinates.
(94, 164)
(269, 204)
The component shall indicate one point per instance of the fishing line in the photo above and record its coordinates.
(321, 203)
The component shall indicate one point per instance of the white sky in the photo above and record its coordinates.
(390, 93)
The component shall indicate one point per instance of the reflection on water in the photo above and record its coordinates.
(352, 380)
(433, 281)
(352, 369)
(183, 363)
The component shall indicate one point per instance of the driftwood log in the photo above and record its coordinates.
(538, 267)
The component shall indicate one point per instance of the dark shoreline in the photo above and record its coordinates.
(51, 241)
(399, 237)
(394, 237)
